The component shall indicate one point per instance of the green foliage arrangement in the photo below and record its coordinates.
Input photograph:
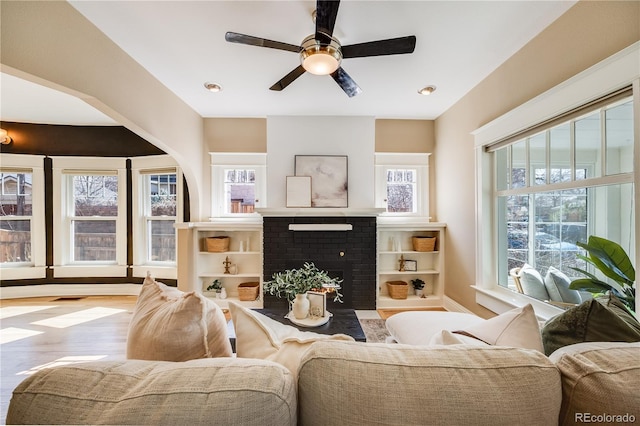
(417, 283)
(609, 258)
(215, 285)
(295, 281)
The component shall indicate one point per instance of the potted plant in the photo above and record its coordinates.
(289, 283)
(609, 258)
(217, 286)
(418, 286)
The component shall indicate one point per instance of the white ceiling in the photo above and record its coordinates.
(182, 44)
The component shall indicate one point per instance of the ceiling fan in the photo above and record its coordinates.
(321, 53)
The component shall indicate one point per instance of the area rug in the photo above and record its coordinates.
(375, 330)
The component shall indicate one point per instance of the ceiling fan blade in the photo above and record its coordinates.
(326, 14)
(392, 46)
(288, 79)
(260, 42)
(345, 81)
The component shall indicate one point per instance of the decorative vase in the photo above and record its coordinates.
(419, 292)
(223, 293)
(300, 306)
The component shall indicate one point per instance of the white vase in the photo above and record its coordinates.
(419, 292)
(300, 306)
(223, 293)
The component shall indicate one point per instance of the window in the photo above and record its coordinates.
(90, 228)
(238, 182)
(16, 209)
(402, 187)
(160, 206)
(567, 196)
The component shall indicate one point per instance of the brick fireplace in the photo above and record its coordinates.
(348, 254)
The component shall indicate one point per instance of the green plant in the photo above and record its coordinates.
(609, 258)
(417, 283)
(215, 285)
(295, 281)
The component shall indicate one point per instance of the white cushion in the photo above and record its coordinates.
(516, 328)
(533, 283)
(418, 327)
(258, 336)
(170, 325)
(557, 285)
(446, 338)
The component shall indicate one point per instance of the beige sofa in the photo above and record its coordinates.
(345, 383)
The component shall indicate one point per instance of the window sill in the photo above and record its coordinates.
(156, 271)
(23, 272)
(95, 270)
(500, 300)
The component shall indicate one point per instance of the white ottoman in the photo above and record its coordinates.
(418, 327)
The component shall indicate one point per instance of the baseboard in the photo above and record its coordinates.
(453, 306)
(17, 292)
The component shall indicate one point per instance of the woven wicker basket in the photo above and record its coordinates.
(217, 244)
(397, 289)
(248, 292)
(424, 243)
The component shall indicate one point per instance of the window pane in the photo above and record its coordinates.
(588, 147)
(162, 194)
(619, 133)
(560, 154)
(163, 241)
(518, 164)
(401, 187)
(502, 168)
(16, 194)
(94, 240)
(95, 195)
(15, 241)
(538, 159)
(517, 228)
(240, 190)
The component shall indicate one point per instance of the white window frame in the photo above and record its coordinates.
(385, 161)
(141, 167)
(619, 70)
(221, 161)
(63, 169)
(37, 267)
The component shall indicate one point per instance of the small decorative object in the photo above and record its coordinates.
(248, 291)
(227, 264)
(401, 264)
(423, 243)
(223, 293)
(216, 285)
(418, 286)
(298, 191)
(410, 265)
(217, 244)
(291, 282)
(317, 303)
(241, 246)
(300, 306)
(397, 289)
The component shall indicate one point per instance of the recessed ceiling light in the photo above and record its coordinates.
(212, 87)
(427, 90)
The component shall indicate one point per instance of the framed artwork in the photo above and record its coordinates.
(410, 265)
(317, 303)
(329, 180)
(298, 191)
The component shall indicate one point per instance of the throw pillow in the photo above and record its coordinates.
(591, 321)
(171, 325)
(516, 328)
(258, 336)
(532, 283)
(557, 285)
(446, 338)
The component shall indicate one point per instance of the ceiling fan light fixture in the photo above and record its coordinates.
(427, 90)
(212, 87)
(320, 58)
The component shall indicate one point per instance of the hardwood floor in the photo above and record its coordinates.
(45, 331)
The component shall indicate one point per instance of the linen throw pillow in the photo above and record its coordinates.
(171, 325)
(258, 336)
(532, 283)
(592, 321)
(557, 284)
(516, 328)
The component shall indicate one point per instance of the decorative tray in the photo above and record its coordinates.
(309, 321)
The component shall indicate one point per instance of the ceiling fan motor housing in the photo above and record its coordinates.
(320, 58)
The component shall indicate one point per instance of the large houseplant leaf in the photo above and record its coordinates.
(611, 259)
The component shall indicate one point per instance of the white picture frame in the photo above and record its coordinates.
(298, 191)
(317, 303)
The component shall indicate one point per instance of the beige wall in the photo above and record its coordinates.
(235, 134)
(586, 34)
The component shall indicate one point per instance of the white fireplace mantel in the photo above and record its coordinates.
(319, 212)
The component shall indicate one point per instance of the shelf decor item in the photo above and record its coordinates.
(217, 244)
(421, 243)
(248, 292)
(418, 286)
(300, 306)
(397, 289)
